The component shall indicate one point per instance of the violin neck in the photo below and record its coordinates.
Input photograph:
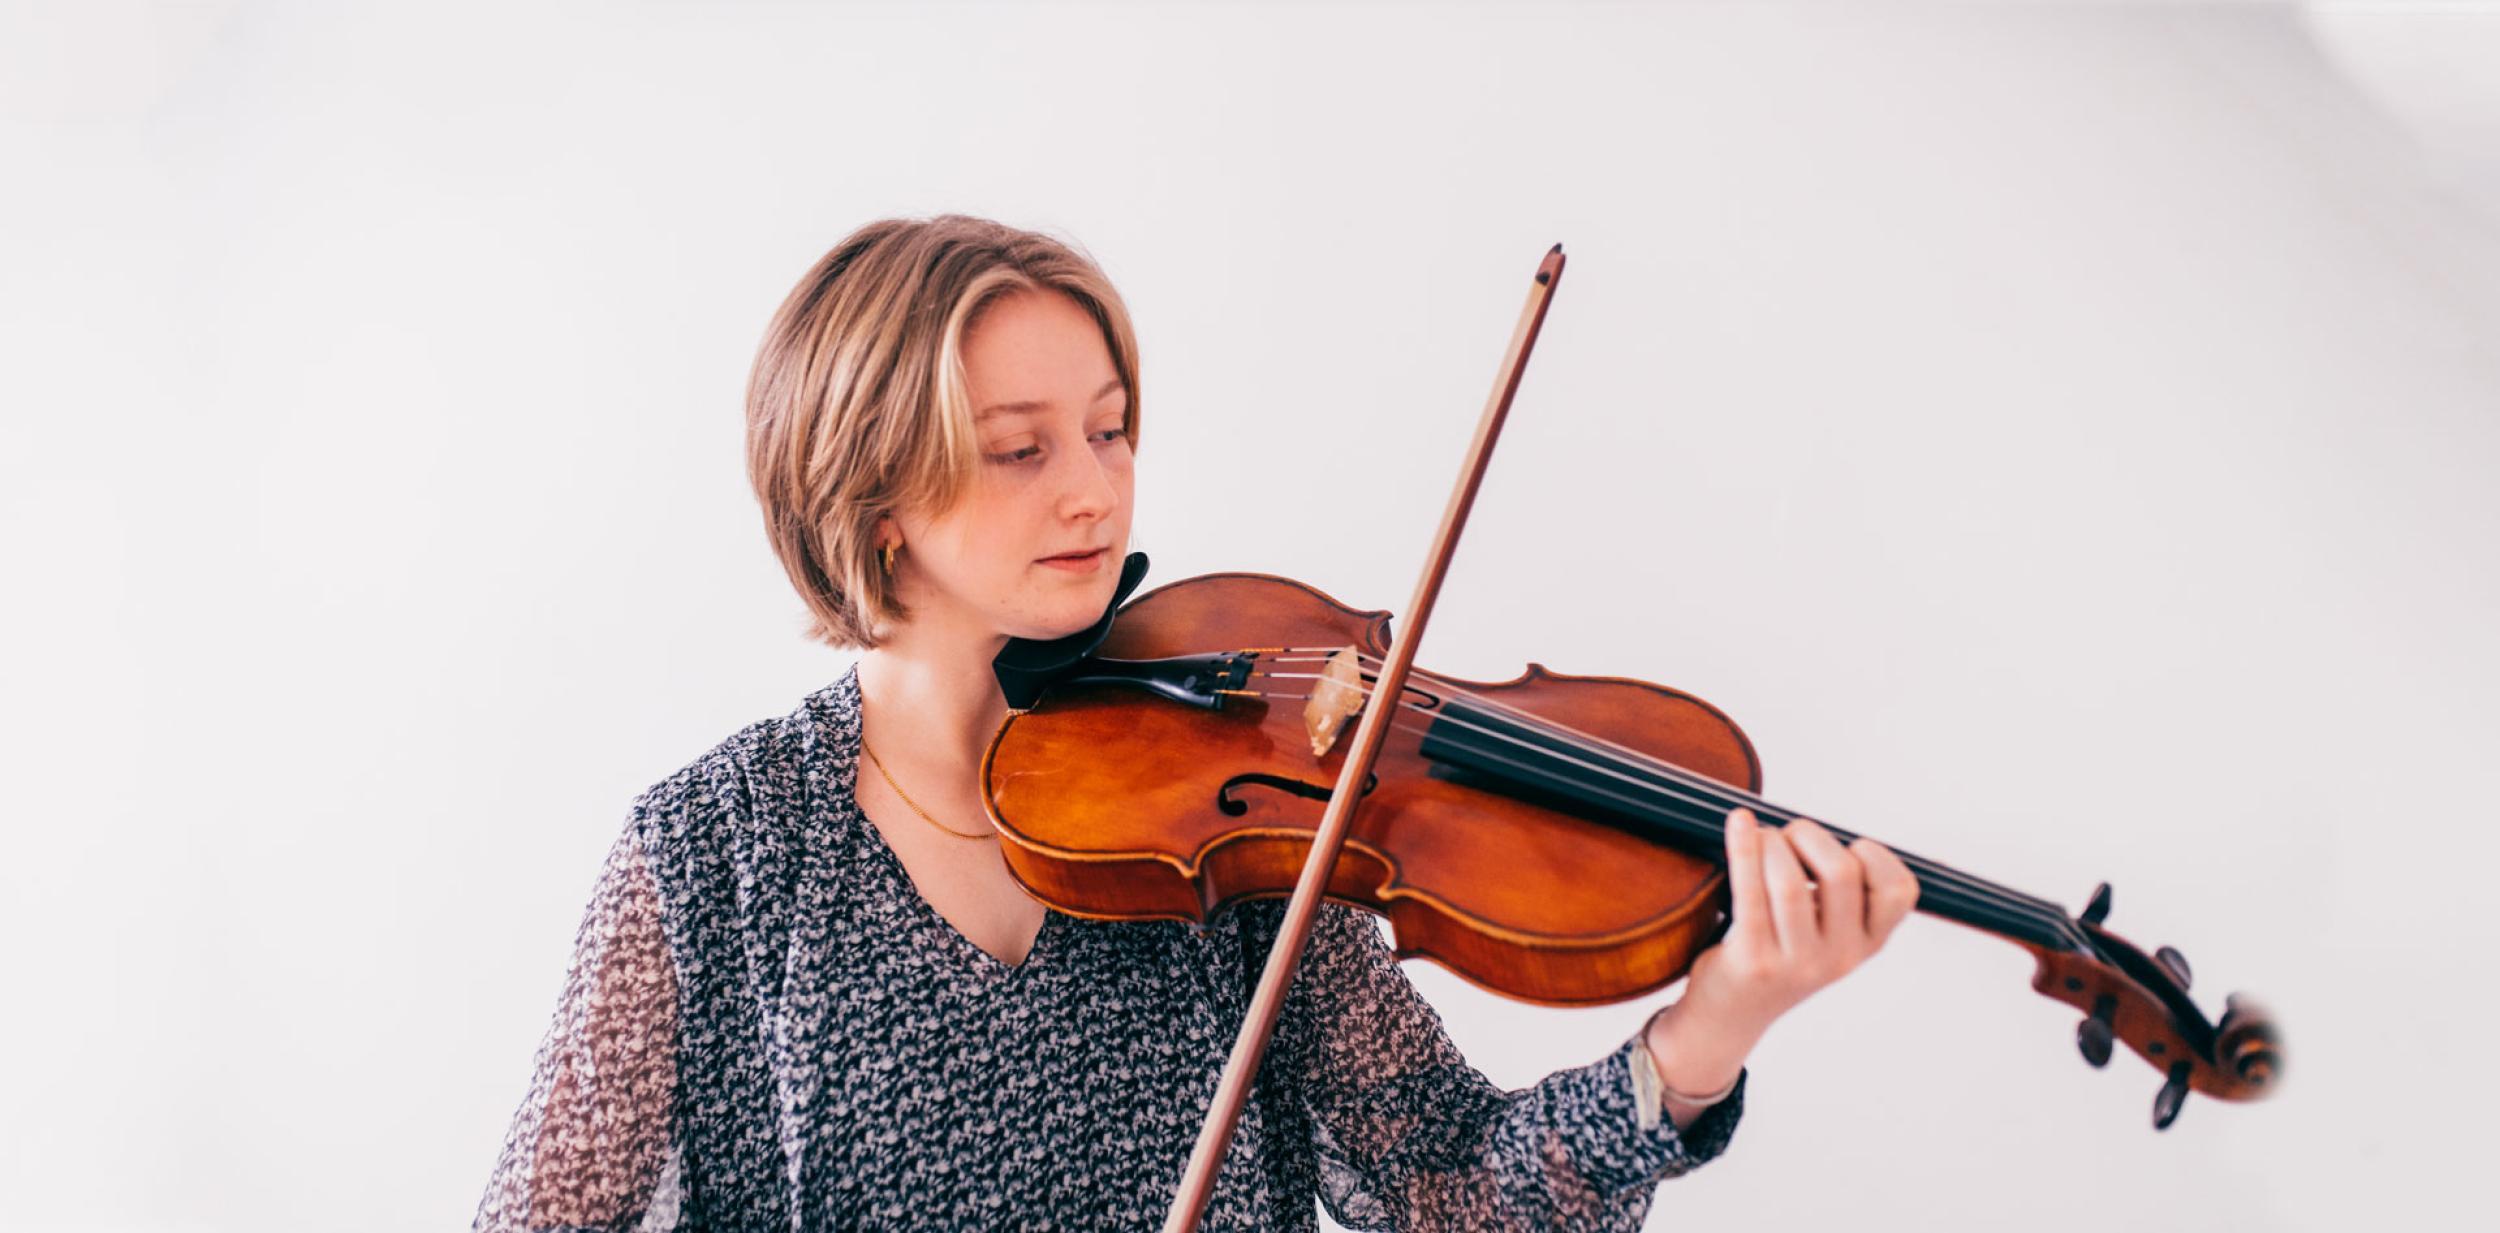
(1527, 757)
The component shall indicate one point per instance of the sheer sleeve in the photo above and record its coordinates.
(594, 1143)
(1409, 1136)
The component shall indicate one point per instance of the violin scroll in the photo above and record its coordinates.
(2246, 1039)
(2139, 1000)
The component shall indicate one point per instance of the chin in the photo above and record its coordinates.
(1060, 625)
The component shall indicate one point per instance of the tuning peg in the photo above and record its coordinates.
(2172, 1095)
(2098, 910)
(2174, 963)
(2232, 1010)
(2093, 1034)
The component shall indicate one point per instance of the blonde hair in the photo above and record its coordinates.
(858, 406)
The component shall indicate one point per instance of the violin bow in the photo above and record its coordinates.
(1215, 1134)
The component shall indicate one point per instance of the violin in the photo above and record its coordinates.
(1554, 838)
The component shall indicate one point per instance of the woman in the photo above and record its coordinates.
(807, 992)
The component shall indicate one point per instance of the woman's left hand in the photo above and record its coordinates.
(1790, 932)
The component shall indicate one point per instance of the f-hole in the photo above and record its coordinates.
(1234, 807)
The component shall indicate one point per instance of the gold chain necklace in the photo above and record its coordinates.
(915, 805)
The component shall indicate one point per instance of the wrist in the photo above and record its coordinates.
(1696, 1055)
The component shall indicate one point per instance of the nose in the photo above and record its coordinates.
(1088, 489)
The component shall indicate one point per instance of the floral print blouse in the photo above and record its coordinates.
(766, 1027)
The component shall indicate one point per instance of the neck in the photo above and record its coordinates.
(932, 701)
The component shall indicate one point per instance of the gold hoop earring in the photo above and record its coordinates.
(888, 550)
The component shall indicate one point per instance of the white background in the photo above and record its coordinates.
(2062, 436)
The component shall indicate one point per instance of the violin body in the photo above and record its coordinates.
(1114, 803)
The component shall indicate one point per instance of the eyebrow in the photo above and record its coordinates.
(1031, 405)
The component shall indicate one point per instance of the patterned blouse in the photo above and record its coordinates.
(766, 1027)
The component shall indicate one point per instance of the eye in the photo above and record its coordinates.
(1028, 453)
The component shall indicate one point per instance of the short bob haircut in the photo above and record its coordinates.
(858, 405)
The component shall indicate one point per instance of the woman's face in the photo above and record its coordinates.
(1054, 477)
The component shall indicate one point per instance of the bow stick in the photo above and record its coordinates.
(1216, 1133)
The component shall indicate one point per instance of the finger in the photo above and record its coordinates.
(1792, 897)
(1892, 889)
(1839, 880)
(1751, 903)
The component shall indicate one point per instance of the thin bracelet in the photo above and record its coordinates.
(1659, 1077)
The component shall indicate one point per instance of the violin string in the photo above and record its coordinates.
(2003, 914)
(1670, 770)
(1713, 797)
(1666, 769)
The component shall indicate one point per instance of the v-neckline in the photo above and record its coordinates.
(846, 695)
(885, 856)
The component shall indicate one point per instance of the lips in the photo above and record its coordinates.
(1075, 556)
